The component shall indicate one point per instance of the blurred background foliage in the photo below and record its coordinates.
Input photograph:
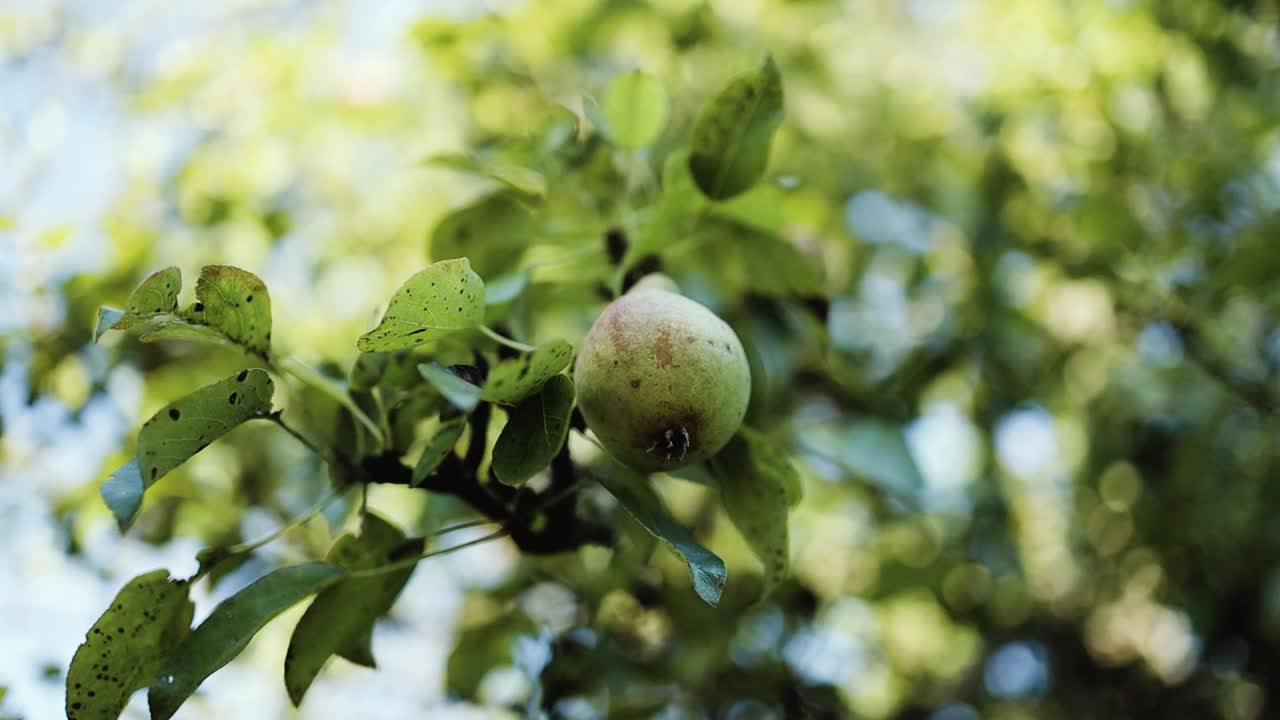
(1035, 414)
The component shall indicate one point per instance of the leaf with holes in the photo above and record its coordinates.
(640, 501)
(127, 645)
(229, 628)
(182, 429)
(157, 295)
(731, 139)
(511, 381)
(492, 232)
(442, 443)
(462, 394)
(445, 297)
(757, 487)
(535, 431)
(232, 307)
(340, 621)
(634, 109)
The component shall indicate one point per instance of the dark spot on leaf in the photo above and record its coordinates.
(249, 299)
(198, 307)
(243, 374)
(153, 473)
(231, 399)
(174, 414)
(635, 383)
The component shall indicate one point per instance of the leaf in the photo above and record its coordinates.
(186, 426)
(442, 443)
(635, 109)
(511, 381)
(344, 613)
(229, 628)
(730, 145)
(535, 431)
(156, 295)
(444, 297)
(122, 492)
(464, 395)
(493, 232)
(678, 209)
(232, 306)
(127, 645)
(873, 449)
(521, 179)
(758, 486)
(767, 263)
(482, 647)
(505, 288)
(642, 503)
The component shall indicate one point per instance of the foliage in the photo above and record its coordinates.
(1005, 279)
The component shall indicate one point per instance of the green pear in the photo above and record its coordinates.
(661, 381)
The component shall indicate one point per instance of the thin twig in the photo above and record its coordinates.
(502, 339)
(410, 562)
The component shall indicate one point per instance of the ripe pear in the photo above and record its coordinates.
(661, 380)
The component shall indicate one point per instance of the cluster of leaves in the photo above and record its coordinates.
(428, 378)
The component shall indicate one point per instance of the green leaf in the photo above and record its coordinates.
(493, 232)
(758, 486)
(464, 395)
(642, 503)
(442, 443)
(122, 492)
(511, 381)
(442, 298)
(730, 146)
(232, 306)
(482, 647)
(230, 627)
(154, 296)
(873, 449)
(521, 179)
(635, 109)
(127, 645)
(678, 209)
(186, 426)
(344, 613)
(505, 288)
(767, 264)
(535, 431)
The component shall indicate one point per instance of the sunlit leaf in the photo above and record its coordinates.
(344, 613)
(635, 109)
(767, 264)
(442, 443)
(731, 139)
(535, 431)
(873, 449)
(444, 297)
(229, 628)
(232, 306)
(757, 487)
(127, 645)
(154, 296)
(511, 381)
(464, 395)
(493, 232)
(641, 502)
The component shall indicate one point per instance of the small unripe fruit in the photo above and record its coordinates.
(661, 380)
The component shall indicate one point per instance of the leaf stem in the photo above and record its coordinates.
(514, 345)
(308, 376)
(299, 521)
(410, 562)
